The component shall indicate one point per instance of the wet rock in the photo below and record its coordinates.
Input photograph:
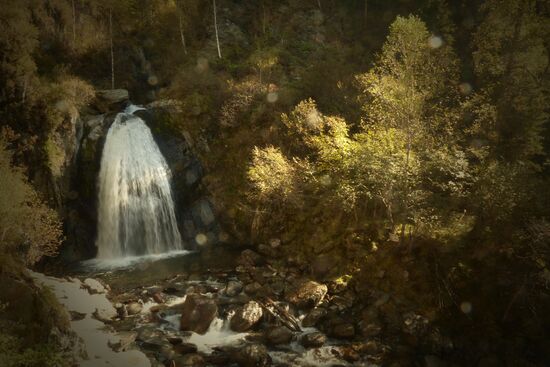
(134, 308)
(349, 354)
(233, 288)
(252, 288)
(185, 348)
(268, 251)
(307, 294)
(313, 340)
(218, 358)
(314, 317)
(198, 313)
(370, 330)
(102, 315)
(158, 297)
(93, 286)
(175, 340)
(252, 355)
(246, 317)
(250, 258)
(126, 339)
(190, 360)
(111, 99)
(278, 335)
(343, 331)
(76, 316)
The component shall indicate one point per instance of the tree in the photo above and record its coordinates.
(216, 29)
(511, 64)
(411, 89)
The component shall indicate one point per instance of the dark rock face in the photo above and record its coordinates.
(313, 340)
(190, 360)
(307, 294)
(246, 317)
(75, 190)
(252, 355)
(198, 313)
(111, 100)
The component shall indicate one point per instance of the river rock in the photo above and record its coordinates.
(198, 313)
(233, 288)
(307, 294)
(313, 317)
(252, 288)
(134, 308)
(246, 317)
(279, 335)
(185, 348)
(250, 258)
(313, 340)
(343, 331)
(190, 360)
(268, 251)
(252, 355)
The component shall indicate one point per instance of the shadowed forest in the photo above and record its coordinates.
(379, 168)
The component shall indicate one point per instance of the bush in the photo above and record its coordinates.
(28, 227)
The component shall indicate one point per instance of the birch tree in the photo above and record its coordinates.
(216, 29)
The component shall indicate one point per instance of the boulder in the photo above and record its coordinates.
(307, 294)
(250, 258)
(233, 288)
(252, 288)
(111, 100)
(278, 335)
(343, 331)
(190, 360)
(313, 340)
(252, 355)
(246, 317)
(134, 308)
(197, 314)
(313, 317)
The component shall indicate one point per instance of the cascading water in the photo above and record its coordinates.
(136, 209)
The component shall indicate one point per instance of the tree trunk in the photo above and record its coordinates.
(182, 35)
(216, 29)
(74, 23)
(112, 51)
(365, 13)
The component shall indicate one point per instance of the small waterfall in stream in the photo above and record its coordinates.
(136, 213)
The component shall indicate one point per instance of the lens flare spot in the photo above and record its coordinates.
(465, 88)
(201, 239)
(435, 42)
(272, 97)
(202, 64)
(466, 307)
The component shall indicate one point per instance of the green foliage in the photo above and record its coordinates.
(273, 177)
(14, 354)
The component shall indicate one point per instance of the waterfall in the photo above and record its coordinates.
(136, 213)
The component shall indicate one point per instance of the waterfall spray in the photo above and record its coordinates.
(136, 213)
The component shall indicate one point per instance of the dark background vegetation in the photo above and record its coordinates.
(407, 140)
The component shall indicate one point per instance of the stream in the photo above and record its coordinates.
(129, 314)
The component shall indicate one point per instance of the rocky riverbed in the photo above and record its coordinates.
(227, 306)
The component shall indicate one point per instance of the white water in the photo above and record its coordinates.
(136, 209)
